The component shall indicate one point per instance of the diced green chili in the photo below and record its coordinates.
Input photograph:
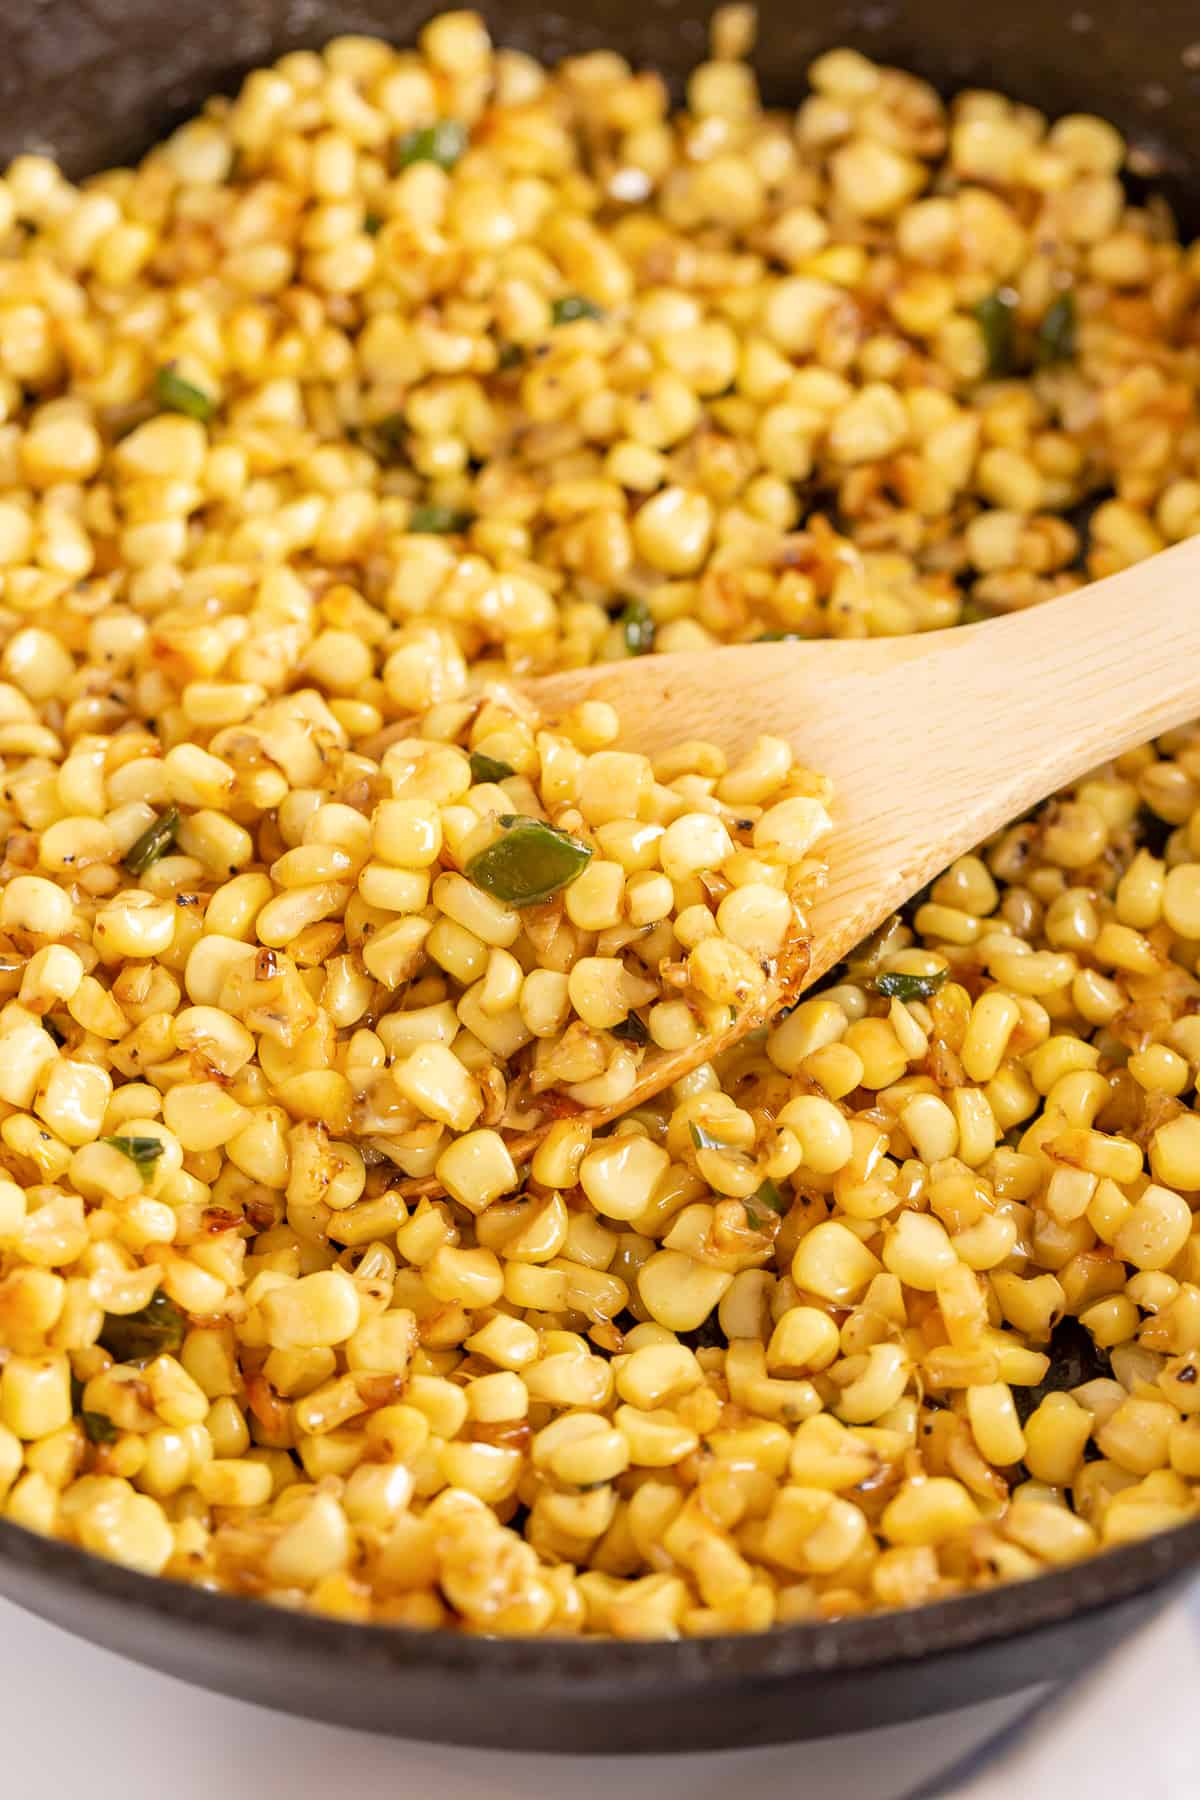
(997, 316)
(572, 307)
(144, 1151)
(632, 1029)
(909, 987)
(637, 627)
(373, 223)
(489, 768)
(510, 356)
(531, 862)
(158, 1329)
(1056, 333)
(383, 438)
(704, 1140)
(174, 394)
(778, 637)
(439, 519)
(154, 842)
(98, 1428)
(767, 1196)
(442, 144)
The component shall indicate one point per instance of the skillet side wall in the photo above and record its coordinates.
(578, 1697)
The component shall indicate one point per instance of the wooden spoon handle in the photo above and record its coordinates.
(933, 741)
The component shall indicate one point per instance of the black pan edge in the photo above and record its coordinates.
(788, 1652)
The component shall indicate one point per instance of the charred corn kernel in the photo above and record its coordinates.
(823, 1134)
(1136, 1436)
(619, 1176)
(655, 1440)
(918, 1250)
(873, 1384)
(203, 1116)
(321, 1309)
(1175, 1153)
(1048, 1531)
(1056, 1434)
(655, 1375)
(1155, 1231)
(875, 1044)
(234, 1481)
(472, 1277)
(804, 1340)
(508, 1342)
(130, 1528)
(477, 1169)
(314, 1543)
(1158, 1068)
(834, 1264)
(994, 1423)
(53, 974)
(677, 1291)
(35, 1395)
(72, 1099)
(929, 1511)
(812, 1025)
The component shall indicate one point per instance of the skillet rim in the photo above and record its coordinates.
(903, 1636)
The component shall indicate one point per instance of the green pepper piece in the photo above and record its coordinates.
(631, 1029)
(373, 223)
(778, 637)
(1056, 333)
(382, 438)
(174, 394)
(159, 1328)
(572, 307)
(637, 627)
(98, 1428)
(154, 842)
(489, 768)
(910, 987)
(769, 1195)
(439, 519)
(510, 356)
(530, 863)
(704, 1140)
(997, 316)
(144, 1151)
(442, 144)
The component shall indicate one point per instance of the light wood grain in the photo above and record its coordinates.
(935, 741)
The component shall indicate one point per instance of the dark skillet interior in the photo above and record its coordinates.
(95, 81)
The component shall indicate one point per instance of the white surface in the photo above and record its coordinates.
(78, 1721)
(1128, 1729)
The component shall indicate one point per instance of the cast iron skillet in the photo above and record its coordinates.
(95, 81)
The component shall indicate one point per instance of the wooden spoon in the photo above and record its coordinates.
(933, 742)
